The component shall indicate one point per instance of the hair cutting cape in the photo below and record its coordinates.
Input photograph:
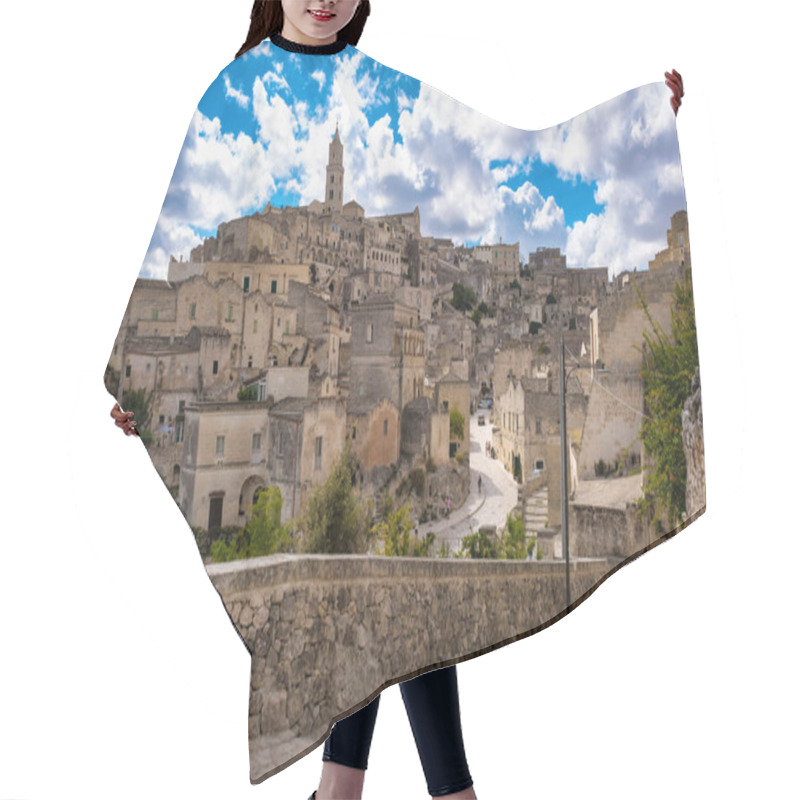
(419, 381)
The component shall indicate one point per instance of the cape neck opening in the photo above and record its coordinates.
(309, 49)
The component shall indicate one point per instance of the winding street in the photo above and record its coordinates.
(497, 497)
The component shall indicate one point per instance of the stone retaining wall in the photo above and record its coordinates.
(327, 633)
(598, 531)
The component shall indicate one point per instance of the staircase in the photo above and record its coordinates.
(534, 511)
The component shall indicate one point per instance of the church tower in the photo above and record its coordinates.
(334, 178)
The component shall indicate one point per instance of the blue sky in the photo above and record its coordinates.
(601, 186)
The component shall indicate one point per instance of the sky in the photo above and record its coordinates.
(601, 186)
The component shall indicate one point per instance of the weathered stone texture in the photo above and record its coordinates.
(341, 628)
(694, 449)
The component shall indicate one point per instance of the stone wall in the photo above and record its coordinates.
(327, 633)
(694, 449)
(602, 532)
(613, 421)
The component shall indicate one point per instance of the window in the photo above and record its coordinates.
(370, 332)
(160, 419)
(273, 287)
(256, 446)
(246, 283)
(255, 326)
(281, 440)
(154, 316)
(220, 451)
(230, 312)
(318, 453)
(215, 368)
(386, 427)
(178, 430)
(538, 426)
(192, 310)
(353, 437)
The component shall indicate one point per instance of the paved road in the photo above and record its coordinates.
(489, 507)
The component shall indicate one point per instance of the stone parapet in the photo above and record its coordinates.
(327, 633)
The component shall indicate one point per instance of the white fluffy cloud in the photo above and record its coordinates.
(230, 91)
(438, 158)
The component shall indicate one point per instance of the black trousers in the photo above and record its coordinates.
(431, 701)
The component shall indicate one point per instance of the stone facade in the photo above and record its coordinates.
(224, 462)
(374, 432)
(387, 352)
(305, 439)
(453, 392)
(425, 432)
(677, 252)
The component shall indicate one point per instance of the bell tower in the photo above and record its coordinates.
(334, 177)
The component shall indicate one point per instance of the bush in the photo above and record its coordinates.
(464, 298)
(335, 520)
(670, 362)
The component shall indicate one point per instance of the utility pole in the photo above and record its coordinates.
(562, 390)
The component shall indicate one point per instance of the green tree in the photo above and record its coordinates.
(111, 380)
(394, 532)
(480, 544)
(335, 520)
(513, 544)
(457, 423)
(247, 394)
(140, 401)
(464, 298)
(262, 536)
(670, 361)
(481, 311)
(510, 543)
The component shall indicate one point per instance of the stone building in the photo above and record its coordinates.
(419, 297)
(527, 417)
(677, 252)
(223, 463)
(616, 396)
(550, 276)
(373, 430)
(425, 432)
(306, 437)
(503, 259)
(453, 392)
(387, 351)
(449, 344)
